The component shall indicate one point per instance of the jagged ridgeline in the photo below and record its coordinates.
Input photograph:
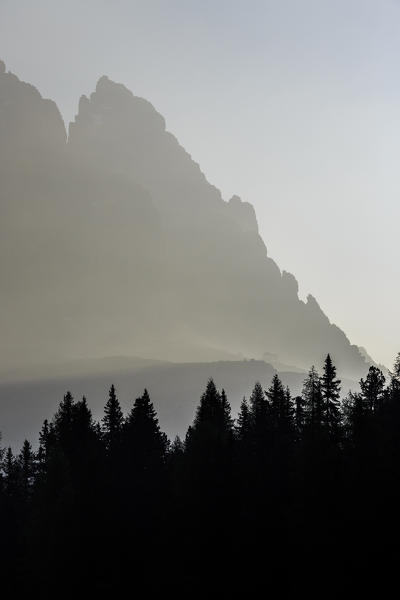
(113, 242)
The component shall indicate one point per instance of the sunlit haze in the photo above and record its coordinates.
(293, 106)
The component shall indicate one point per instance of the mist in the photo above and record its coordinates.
(293, 107)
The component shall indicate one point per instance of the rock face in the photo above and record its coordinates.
(114, 242)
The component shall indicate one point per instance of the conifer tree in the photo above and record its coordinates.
(312, 396)
(299, 415)
(243, 424)
(396, 367)
(395, 376)
(112, 422)
(47, 441)
(209, 411)
(83, 426)
(177, 447)
(212, 428)
(26, 462)
(372, 388)
(10, 468)
(355, 411)
(63, 421)
(276, 397)
(144, 442)
(259, 413)
(226, 418)
(287, 412)
(330, 387)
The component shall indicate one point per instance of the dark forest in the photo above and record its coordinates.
(298, 494)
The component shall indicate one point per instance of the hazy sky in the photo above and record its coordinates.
(293, 105)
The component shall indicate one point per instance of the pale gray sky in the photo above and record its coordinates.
(293, 105)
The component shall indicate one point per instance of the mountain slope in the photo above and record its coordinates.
(115, 243)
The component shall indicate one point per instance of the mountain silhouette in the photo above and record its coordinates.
(113, 242)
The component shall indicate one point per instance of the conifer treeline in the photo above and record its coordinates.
(295, 493)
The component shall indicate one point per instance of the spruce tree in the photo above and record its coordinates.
(26, 461)
(144, 442)
(243, 423)
(209, 413)
(226, 418)
(312, 396)
(287, 412)
(212, 428)
(83, 425)
(372, 388)
(112, 422)
(47, 441)
(63, 421)
(330, 387)
(299, 416)
(10, 468)
(259, 413)
(276, 398)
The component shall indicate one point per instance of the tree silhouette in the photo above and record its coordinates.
(288, 477)
(330, 388)
(372, 388)
(112, 422)
(313, 400)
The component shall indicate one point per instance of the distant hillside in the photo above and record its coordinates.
(174, 388)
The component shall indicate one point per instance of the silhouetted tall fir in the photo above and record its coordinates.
(209, 410)
(83, 425)
(260, 419)
(47, 440)
(299, 415)
(63, 422)
(355, 413)
(144, 442)
(396, 369)
(212, 429)
(243, 424)
(313, 400)
(372, 388)
(330, 387)
(26, 460)
(287, 413)
(276, 398)
(112, 422)
(10, 468)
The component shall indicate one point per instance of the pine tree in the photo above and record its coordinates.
(396, 367)
(287, 413)
(299, 416)
(330, 387)
(212, 429)
(355, 411)
(226, 418)
(112, 422)
(83, 426)
(63, 421)
(26, 461)
(276, 397)
(243, 424)
(372, 388)
(259, 412)
(144, 442)
(312, 396)
(209, 410)
(11, 475)
(177, 447)
(47, 440)
(395, 377)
